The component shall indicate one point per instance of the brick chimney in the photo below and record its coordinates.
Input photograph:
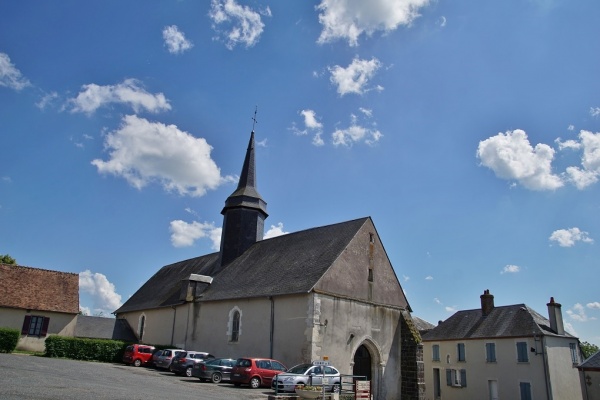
(487, 303)
(555, 314)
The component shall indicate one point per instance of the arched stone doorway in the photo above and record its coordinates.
(362, 363)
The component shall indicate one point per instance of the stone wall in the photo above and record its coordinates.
(413, 369)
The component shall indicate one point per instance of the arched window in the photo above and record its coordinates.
(234, 328)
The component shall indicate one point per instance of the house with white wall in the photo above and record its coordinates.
(507, 352)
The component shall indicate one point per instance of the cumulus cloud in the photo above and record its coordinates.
(356, 133)
(244, 25)
(511, 157)
(128, 92)
(429, 278)
(185, 234)
(142, 151)
(569, 328)
(450, 308)
(175, 40)
(568, 237)
(510, 269)
(105, 298)
(595, 305)
(311, 125)
(355, 77)
(406, 278)
(348, 19)
(595, 111)
(10, 76)
(589, 172)
(578, 314)
(275, 231)
(46, 100)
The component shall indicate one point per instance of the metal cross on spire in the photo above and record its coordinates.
(254, 118)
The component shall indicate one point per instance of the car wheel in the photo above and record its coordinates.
(255, 383)
(137, 362)
(188, 372)
(216, 378)
(335, 388)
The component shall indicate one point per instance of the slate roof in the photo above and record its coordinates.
(591, 363)
(516, 320)
(287, 264)
(422, 325)
(39, 289)
(103, 328)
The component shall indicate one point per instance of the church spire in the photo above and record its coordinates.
(244, 213)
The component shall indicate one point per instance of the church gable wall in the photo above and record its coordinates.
(364, 272)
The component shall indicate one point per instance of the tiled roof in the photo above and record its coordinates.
(286, 264)
(103, 328)
(38, 289)
(505, 321)
(592, 363)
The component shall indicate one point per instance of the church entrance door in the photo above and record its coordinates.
(362, 363)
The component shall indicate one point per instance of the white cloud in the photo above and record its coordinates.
(442, 21)
(437, 301)
(175, 40)
(567, 144)
(590, 161)
(355, 77)
(311, 124)
(10, 76)
(429, 278)
(245, 25)
(569, 328)
(406, 278)
(511, 157)
(275, 231)
(105, 298)
(142, 151)
(595, 111)
(510, 269)
(46, 100)
(356, 133)
(593, 305)
(450, 308)
(184, 234)
(128, 92)
(568, 237)
(578, 314)
(348, 19)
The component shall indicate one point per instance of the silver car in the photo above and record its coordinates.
(164, 359)
(307, 374)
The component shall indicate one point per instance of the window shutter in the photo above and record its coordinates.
(26, 324)
(449, 377)
(45, 326)
(463, 378)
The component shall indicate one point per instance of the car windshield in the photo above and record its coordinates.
(299, 369)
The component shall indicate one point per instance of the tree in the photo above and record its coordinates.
(6, 259)
(588, 349)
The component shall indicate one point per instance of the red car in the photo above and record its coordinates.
(255, 372)
(138, 354)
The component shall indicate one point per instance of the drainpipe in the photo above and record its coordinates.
(173, 328)
(548, 385)
(272, 327)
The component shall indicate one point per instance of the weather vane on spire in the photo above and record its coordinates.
(254, 118)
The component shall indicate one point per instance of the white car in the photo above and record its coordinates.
(307, 374)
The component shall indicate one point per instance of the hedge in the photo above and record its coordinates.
(85, 349)
(9, 338)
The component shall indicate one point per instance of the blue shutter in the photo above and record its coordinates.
(525, 390)
(449, 377)
(463, 378)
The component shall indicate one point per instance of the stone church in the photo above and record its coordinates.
(328, 291)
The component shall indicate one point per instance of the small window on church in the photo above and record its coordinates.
(235, 328)
(370, 275)
(142, 326)
(371, 238)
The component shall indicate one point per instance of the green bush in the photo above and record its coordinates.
(9, 339)
(85, 349)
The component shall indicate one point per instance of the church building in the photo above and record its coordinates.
(328, 291)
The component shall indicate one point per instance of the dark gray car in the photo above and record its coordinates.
(163, 360)
(183, 362)
(216, 370)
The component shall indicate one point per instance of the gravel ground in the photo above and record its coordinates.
(31, 377)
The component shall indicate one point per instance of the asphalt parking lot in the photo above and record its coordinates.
(32, 378)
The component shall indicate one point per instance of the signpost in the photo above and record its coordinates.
(324, 381)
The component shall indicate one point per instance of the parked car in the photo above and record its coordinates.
(155, 357)
(307, 374)
(183, 362)
(138, 354)
(163, 361)
(255, 372)
(216, 370)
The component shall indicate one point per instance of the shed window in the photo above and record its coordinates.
(35, 325)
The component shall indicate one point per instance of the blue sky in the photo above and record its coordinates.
(468, 131)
